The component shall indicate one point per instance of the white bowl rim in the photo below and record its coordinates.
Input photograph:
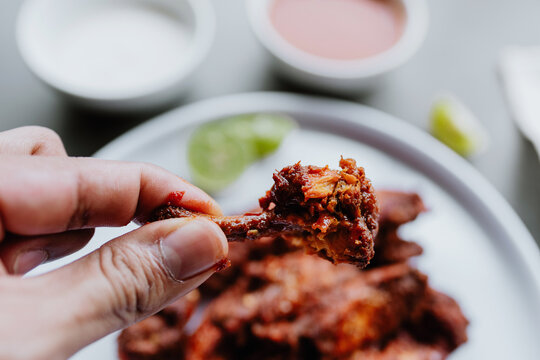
(417, 20)
(203, 37)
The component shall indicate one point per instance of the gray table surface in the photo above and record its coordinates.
(460, 55)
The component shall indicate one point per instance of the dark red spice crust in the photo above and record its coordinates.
(332, 213)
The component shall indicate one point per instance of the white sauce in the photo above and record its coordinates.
(121, 47)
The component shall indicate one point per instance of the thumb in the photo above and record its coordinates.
(130, 278)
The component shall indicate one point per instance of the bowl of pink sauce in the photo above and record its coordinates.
(339, 45)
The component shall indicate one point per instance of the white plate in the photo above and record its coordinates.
(476, 248)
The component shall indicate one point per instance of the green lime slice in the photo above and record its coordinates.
(216, 158)
(456, 126)
(220, 151)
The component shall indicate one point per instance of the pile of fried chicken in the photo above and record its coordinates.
(277, 301)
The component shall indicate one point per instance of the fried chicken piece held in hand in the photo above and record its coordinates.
(332, 213)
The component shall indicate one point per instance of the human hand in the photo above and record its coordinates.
(49, 206)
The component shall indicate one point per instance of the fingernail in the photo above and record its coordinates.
(29, 260)
(194, 248)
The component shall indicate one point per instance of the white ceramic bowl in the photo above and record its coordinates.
(338, 75)
(101, 53)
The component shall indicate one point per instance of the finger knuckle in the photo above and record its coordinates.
(148, 168)
(45, 138)
(136, 280)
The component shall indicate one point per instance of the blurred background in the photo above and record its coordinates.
(460, 55)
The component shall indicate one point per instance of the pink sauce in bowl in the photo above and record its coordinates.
(339, 29)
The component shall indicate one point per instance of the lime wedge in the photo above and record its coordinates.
(220, 151)
(456, 126)
(217, 158)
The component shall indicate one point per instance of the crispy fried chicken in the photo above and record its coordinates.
(292, 306)
(300, 307)
(333, 213)
(160, 336)
(276, 303)
(436, 329)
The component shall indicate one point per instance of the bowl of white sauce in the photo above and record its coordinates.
(116, 55)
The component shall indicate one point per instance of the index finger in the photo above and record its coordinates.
(51, 195)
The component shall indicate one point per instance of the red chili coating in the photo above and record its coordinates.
(332, 213)
(175, 198)
(222, 265)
